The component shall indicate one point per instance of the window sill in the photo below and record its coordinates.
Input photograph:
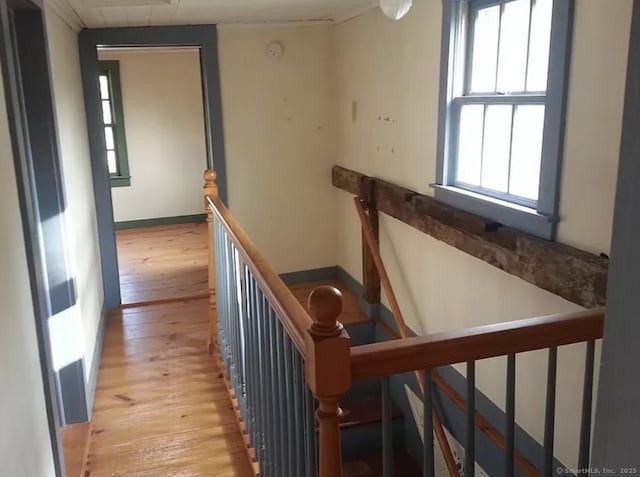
(506, 213)
(120, 181)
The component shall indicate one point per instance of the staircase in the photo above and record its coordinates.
(315, 398)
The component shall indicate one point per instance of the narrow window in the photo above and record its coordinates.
(113, 121)
(504, 76)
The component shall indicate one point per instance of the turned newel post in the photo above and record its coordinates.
(328, 371)
(210, 189)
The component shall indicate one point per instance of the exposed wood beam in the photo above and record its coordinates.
(575, 275)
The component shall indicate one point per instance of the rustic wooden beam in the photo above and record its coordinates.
(578, 276)
(370, 276)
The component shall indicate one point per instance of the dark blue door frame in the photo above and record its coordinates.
(615, 445)
(32, 127)
(203, 37)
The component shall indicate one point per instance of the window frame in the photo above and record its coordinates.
(111, 68)
(535, 217)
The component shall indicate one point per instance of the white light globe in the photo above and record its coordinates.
(395, 9)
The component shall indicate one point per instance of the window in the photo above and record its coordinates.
(503, 91)
(113, 120)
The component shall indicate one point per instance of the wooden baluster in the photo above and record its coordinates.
(328, 372)
(211, 189)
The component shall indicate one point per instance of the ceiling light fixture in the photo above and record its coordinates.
(395, 9)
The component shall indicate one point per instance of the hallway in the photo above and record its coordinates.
(162, 263)
(161, 406)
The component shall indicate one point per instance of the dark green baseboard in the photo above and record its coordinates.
(180, 219)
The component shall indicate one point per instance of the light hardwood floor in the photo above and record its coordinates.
(162, 263)
(161, 407)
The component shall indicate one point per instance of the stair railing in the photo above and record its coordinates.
(427, 353)
(276, 358)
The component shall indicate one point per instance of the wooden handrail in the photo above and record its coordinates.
(372, 244)
(489, 430)
(482, 342)
(292, 314)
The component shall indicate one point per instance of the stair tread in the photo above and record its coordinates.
(365, 411)
(371, 466)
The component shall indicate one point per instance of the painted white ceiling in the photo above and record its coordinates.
(123, 13)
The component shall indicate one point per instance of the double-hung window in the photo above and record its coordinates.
(504, 76)
(113, 123)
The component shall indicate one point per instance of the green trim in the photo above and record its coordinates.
(180, 219)
(112, 69)
(117, 181)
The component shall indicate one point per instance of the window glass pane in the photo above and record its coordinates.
(497, 141)
(514, 32)
(539, 47)
(104, 86)
(485, 50)
(112, 162)
(108, 136)
(470, 144)
(526, 153)
(106, 112)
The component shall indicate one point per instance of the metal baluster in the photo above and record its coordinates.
(230, 320)
(288, 406)
(509, 439)
(227, 322)
(587, 407)
(268, 395)
(250, 353)
(241, 339)
(550, 412)
(387, 429)
(470, 447)
(274, 409)
(220, 297)
(235, 354)
(310, 432)
(259, 365)
(298, 407)
(218, 261)
(281, 408)
(223, 315)
(242, 329)
(427, 415)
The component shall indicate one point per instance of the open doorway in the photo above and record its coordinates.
(115, 205)
(154, 126)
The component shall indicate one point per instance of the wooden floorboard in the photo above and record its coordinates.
(161, 404)
(160, 263)
(75, 443)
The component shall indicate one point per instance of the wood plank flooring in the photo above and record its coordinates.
(75, 443)
(161, 406)
(162, 263)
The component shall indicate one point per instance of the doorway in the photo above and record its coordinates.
(154, 128)
(34, 143)
(92, 43)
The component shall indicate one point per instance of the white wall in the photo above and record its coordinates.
(164, 121)
(391, 69)
(80, 218)
(25, 448)
(279, 117)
